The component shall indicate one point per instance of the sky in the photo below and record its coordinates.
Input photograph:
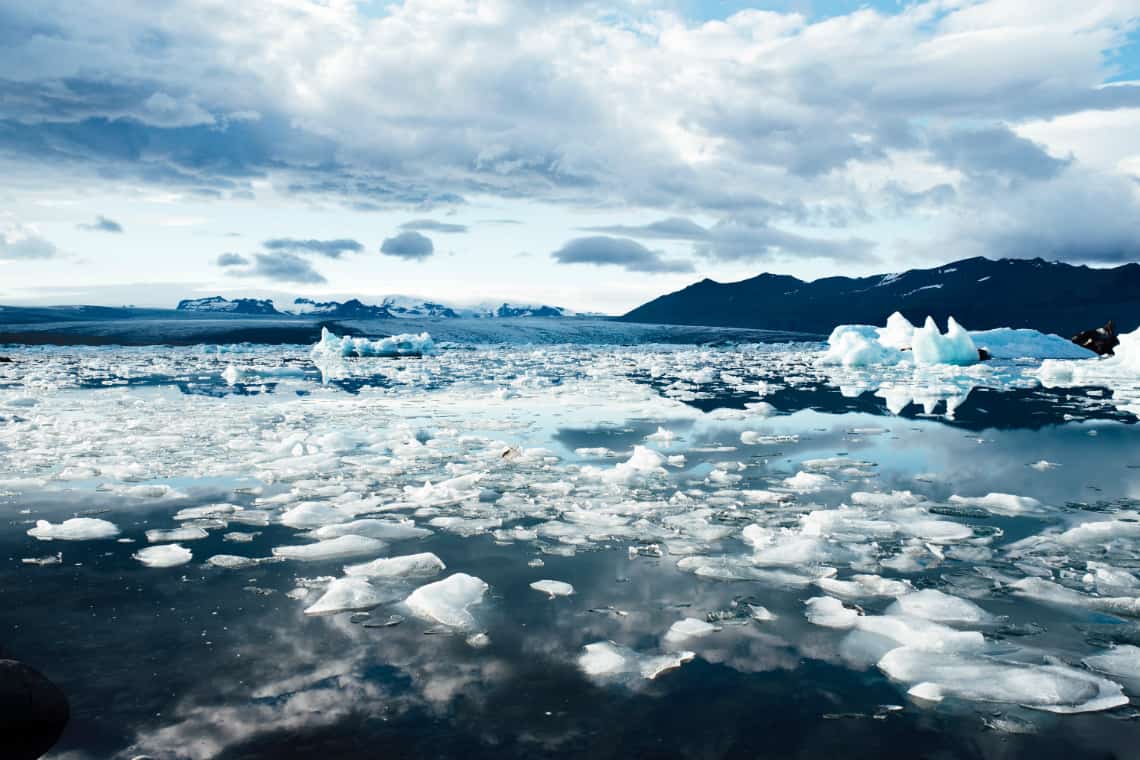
(585, 155)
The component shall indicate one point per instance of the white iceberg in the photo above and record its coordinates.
(553, 588)
(421, 565)
(404, 344)
(605, 659)
(334, 548)
(166, 555)
(447, 601)
(348, 594)
(899, 341)
(75, 529)
(1053, 688)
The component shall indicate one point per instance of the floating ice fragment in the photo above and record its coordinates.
(1000, 503)
(421, 565)
(662, 436)
(1053, 688)
(348, 594)
(931, 604)
(389, 530)
(166, 555)
(604, 659)
(334, 548)
(447, 601)
(75, 529)
(865, 586)
(176, 534)
(1122, 661)
(689, 628)
(829, 612)
(237, 562)
(808, 482)
(553, 588)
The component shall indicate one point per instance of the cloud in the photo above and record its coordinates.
(804, 119)
(103, 224)
(408, 245)
(431, 225)
(673, 228)
(19, 242)
(995, 151)
(743, 239)
(333, 249)
(1078, 216)
(632, 256)
(279, 267)
(232, 260)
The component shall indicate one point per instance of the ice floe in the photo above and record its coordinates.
(164, 555)
(423, 565)
(605, 659)
(553, 588)
(74, 529)
(448, 601)
(333, 548)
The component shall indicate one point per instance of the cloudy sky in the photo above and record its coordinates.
(586, 155)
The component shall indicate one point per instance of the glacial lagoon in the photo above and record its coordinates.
(572, 550)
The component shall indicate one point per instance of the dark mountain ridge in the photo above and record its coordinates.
(980, 293)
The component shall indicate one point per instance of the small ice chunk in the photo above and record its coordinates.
(864, 586)
(689, 628)
(932, 604)
(237, 562)
(553, 588)
(662, 436)
(1000, 503)
(808, 482)
(348, 594)
(334, 548)
(75, 529)
(176, 534)
(165, 555)
(829, 612)
(605, 659)
(1053, 688)
(447, 601)
(420, 565)
(389, 530)
(1122, 661)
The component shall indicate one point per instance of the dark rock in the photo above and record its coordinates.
(5, 360)
(33, 711)
(984, 355)
(1102, 340)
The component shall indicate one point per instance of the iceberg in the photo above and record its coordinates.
(447, 601)
(900, 341)
(1053, 688)
(930, 346)
(605, 659)
(333, 548)
(348, 594)
(424, 564)
(167, 555)
(75, 529)
(553, 588)
(405, 344)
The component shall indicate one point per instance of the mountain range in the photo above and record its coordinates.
(389, 307)
(980, 293)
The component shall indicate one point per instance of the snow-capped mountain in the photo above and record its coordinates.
(219, 305)
(351, 309)
(1052, 297)
(386, 307)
